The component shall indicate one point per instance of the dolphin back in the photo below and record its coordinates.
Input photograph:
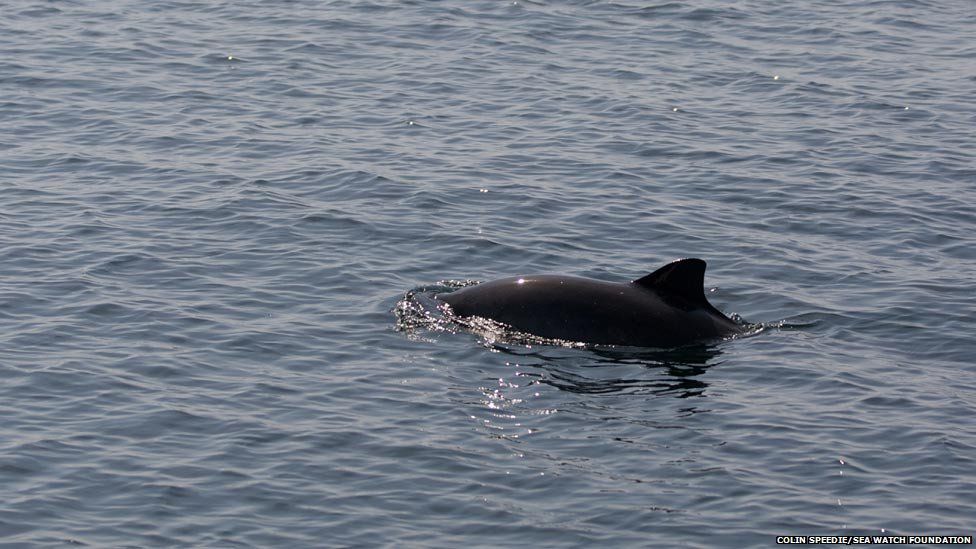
(666, 308)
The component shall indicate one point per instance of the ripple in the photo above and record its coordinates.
(209, 211)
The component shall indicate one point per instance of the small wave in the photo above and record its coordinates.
(417, 312)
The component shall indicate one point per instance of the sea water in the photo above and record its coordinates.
(211, 214)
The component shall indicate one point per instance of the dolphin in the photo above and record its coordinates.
(666, 308)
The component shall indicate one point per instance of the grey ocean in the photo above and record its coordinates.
(218, 219)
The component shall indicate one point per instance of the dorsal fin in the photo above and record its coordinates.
(684, 278)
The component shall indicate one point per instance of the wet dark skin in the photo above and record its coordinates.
(666, 308)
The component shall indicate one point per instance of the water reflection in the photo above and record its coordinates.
(673, 372)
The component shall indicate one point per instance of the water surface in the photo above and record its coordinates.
(208, 214)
